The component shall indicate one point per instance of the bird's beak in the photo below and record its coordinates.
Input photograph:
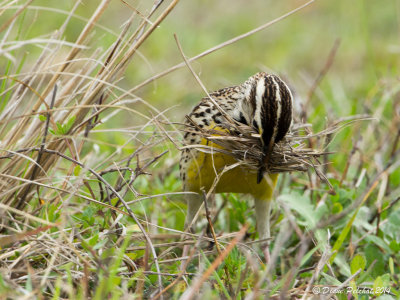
(268, 145)
(261, 169)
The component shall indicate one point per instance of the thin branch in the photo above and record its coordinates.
(40, 154)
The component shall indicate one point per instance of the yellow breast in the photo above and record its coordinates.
(204, 168)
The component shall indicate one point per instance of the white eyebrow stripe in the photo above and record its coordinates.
(260, 90)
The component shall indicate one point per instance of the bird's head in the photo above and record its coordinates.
(267, 107)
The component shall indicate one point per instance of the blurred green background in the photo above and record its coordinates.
(296, 47)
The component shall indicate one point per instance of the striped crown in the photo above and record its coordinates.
(267, 107)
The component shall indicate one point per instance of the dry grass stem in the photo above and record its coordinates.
(291, 154)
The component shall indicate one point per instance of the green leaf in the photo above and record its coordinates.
(42, 118)
(342, 237)
(217, 278)
(394, 246)
(57, 289)
(378, 284)
(330, 279)
(28, 284)
(337, 208)
(77, 170)
(302, 206)
(374, 254)
(379, 242)
(391, 265)
(343, 264)
(365, 275)
(310, 253)
(69, 124)
(345, 231)
(358, 263)
(60, 129)
(100, 244)
(386, 279)
(93, 240)
(394, 218)
(353, 289)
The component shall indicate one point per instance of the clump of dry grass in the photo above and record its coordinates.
(294, 153)
(70, 95)
(47, 157)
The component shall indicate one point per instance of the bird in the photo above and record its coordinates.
(264, 103)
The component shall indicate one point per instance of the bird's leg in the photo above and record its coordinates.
(263, 210)
(194, 202)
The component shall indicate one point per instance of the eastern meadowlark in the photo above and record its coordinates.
(263, 102)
